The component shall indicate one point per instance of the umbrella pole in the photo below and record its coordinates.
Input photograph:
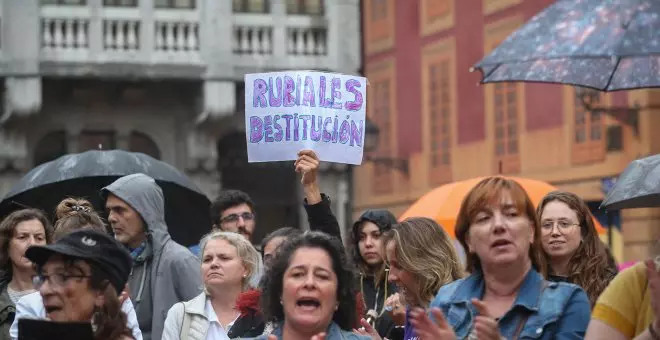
(610, 223)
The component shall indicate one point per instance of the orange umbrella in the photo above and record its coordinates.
(443, 203)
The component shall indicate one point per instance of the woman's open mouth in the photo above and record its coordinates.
(308, 304)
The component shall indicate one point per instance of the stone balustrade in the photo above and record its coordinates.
(91, 33)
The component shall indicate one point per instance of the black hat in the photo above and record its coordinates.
(92, 246)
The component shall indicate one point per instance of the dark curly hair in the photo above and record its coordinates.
(227, 199)
(591, 266)
(272, 282)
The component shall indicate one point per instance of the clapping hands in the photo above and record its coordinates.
(427, 329)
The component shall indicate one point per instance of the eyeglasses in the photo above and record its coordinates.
(562, 226)
(58, 280)
(233, 218)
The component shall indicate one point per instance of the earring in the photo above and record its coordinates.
(281, 302)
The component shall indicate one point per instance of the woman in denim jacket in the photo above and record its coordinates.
(505, 297)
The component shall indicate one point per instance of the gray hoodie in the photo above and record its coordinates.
(166, 272)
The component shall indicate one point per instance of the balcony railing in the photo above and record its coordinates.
(88, 34)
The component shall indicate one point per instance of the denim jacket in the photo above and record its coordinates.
(554, 310)
(334, 333)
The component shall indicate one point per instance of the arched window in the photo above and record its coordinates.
(139, 142)
(50, 147)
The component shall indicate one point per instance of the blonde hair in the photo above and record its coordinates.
(244, 249)
(426, 251)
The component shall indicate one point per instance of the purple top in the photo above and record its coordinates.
(408, 331)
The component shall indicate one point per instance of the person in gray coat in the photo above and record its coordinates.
(164, 272)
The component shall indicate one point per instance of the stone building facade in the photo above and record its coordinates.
(164, 77)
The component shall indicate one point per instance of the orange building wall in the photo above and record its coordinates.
(405, 38)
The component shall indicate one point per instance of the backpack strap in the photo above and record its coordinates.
(523, 320)
(185, 325)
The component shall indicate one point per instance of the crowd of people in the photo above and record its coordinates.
(529, 272)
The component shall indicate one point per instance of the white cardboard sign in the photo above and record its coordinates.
(289, 111)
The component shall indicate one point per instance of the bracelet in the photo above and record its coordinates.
(653, 332)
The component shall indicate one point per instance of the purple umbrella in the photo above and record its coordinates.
(606, 45)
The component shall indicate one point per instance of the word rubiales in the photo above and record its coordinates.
(294, 98)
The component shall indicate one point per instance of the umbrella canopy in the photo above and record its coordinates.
(637, 187)
(85, 174)
(443, 203)
(606, 45)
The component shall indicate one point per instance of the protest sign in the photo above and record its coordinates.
(286, 112)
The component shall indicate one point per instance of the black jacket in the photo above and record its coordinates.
(374, 298)
(384, 324)
(248, 325)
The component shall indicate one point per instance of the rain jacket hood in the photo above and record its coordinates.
(165, 272)
(380, 217)
(144, 195)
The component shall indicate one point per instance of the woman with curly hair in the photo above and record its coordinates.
(308, 291)
(571, 245)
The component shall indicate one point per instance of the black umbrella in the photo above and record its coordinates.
(85, 174)
(606, 45)
(637, 187)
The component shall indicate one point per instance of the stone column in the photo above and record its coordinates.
(123, 138)
(73, 138)
(13, 158)
(343, 38)
(202, 160)
(21, 44)
(216, 36)
(342, 204)
(278, 13)
(95, 33)
(147, 30)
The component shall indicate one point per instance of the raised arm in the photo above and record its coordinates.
(317, 205)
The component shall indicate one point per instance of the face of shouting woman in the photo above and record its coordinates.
(501, 233)
(309, 294)
(66, 290)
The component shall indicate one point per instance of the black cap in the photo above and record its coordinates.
(93, 246)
